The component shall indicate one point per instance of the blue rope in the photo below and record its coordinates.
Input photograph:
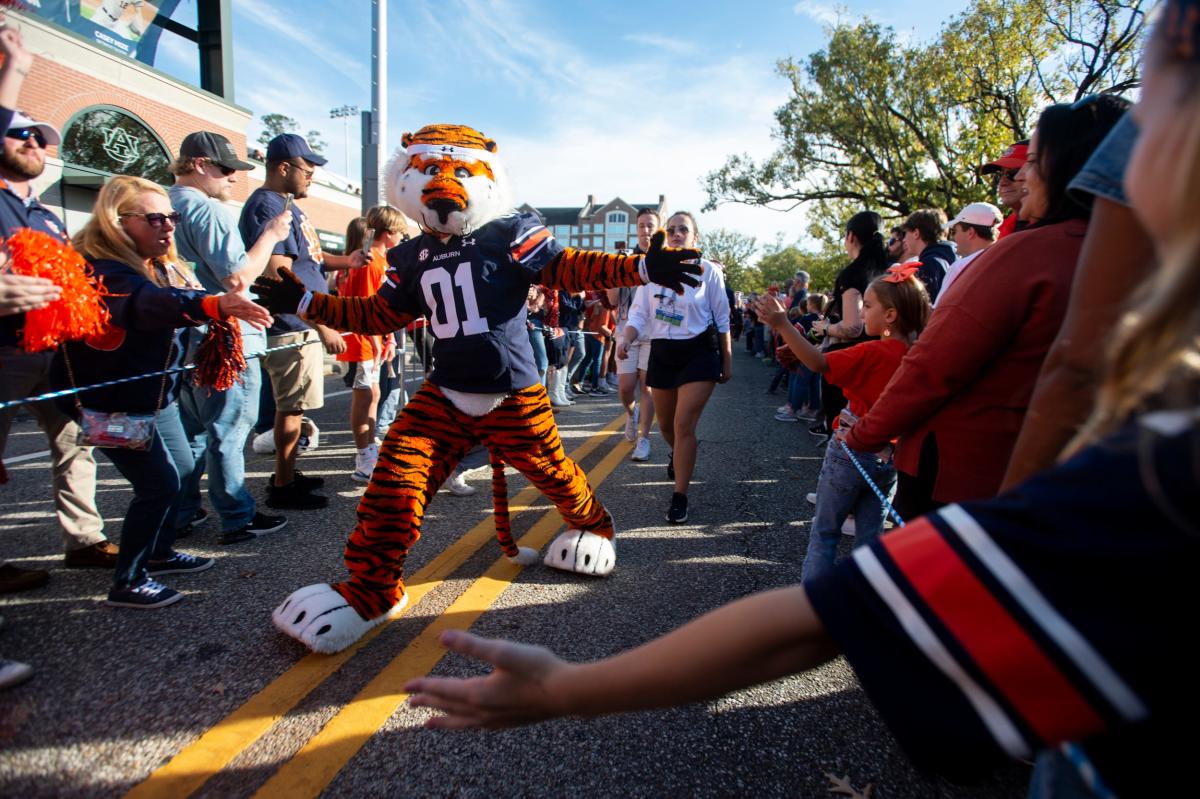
(887, 506)
(66, 392)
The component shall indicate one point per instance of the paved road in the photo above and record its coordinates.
(205, 698)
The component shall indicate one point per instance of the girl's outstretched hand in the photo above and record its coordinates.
(518, 690)
(771, 310)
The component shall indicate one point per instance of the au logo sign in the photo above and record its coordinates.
(120, 145)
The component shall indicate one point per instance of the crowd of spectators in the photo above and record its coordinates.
(933, 373)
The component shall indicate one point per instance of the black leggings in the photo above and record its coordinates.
(914, 493)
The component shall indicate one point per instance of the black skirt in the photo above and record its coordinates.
(674, 362)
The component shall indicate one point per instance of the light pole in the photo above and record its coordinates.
(344, 113)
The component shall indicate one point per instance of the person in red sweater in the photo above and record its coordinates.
(957, 402)
(366, 354)
(895, 309)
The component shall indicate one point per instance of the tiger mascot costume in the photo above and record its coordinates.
(469, 273)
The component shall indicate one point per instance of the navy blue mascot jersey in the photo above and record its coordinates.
(473, 290)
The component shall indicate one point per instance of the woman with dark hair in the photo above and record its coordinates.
(843, 323)
(958, 400)
(689, 354)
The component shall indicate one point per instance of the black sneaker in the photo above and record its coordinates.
(294, 497)
(302, 480)
(671, 465)
(200, 517)
(677, 513)
(821, 433)
(261, 524)
(149, 594)
(179, 563)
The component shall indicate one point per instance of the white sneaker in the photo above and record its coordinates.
(811, 498)
(14, 672)
(786, 416)
(641, 450)
(264, 443)
(784, 409)
(310, 435)
(631, 428)
(458, 486)
(364, 463)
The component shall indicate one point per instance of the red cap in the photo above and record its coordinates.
(1013, 158)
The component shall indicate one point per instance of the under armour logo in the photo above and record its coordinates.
(447, 149)
(469, 242)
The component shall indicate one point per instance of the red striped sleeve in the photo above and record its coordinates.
(522, 248)
(1031, 682)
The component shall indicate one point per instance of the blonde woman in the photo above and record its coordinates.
(1037, 621)
(129, 241)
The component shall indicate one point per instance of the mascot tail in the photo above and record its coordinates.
(500, 506)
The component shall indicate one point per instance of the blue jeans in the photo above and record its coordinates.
(217, 424)
(392, 396)
(804, 388)
(841, 491)
(576, 341)
(149, 527)
(591, 365)
(537, 340)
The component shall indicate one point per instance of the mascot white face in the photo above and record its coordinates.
(448, 179)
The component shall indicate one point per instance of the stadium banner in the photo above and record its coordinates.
(125, 26)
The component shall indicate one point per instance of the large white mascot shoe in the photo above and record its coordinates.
(321, 619)
(581, 552)
(524, 557)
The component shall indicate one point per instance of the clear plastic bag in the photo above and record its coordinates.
(115, 429)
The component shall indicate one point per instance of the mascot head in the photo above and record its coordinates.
(449, 179)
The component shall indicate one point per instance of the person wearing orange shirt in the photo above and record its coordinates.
(368, 353)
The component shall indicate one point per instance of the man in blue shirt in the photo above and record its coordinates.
(217, 422)
(26, 373)
(296, 374)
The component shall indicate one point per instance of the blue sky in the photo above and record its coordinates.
(610, 99)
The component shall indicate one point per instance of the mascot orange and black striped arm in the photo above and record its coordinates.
(469, 273)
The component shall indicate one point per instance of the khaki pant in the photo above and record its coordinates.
(25, 374)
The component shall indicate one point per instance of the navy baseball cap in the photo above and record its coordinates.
(289, 145)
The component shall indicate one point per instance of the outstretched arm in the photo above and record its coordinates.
(771, 311)
(590, 270)
(368, 315)
(753, 640)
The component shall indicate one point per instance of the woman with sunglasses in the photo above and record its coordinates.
(129, 242)
(959, 398)
(690, 352)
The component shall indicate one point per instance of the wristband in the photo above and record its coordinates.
(211, 305)
(305, 301)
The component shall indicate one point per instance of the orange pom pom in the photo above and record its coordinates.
(219, 359)
(79, 312)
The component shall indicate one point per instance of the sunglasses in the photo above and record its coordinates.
(1010, 174)
(156, 220)
(25, 134)
(308, 173)
(225, 170)
(682, 230)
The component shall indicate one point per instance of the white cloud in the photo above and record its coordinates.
(825, 13)
(289, 28)
(664, 43)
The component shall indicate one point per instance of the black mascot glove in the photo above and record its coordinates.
(668, 266)
(281, 295)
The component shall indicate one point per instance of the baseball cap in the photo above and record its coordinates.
(20, 120)
(1013, 158)
(214, 147)
(983, 214)
(290, 145)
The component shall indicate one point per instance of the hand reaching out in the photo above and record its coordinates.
(517, 691)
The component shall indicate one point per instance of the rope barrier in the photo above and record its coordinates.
(66, 392)
(887, 506)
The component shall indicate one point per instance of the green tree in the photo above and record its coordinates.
(275, 124)
(315, 142)
(732, 250)
(873, 123)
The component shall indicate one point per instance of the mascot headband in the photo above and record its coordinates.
(451, 150)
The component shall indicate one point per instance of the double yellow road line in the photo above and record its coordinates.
(316, 764)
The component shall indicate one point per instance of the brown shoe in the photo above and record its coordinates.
(14, 578)
(100, 555)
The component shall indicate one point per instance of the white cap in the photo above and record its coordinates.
(982, 214)
(20, 120)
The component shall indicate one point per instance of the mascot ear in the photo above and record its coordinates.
(406, 140)
(489, 145)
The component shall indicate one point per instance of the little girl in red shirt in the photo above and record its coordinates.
(895, 308)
